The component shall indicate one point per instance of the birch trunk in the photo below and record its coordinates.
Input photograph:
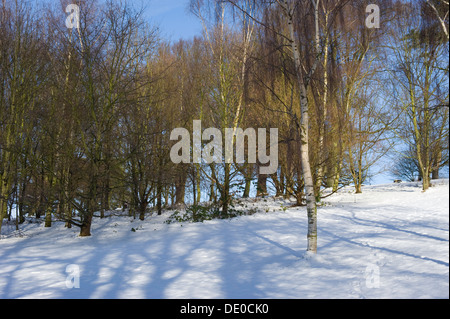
(320, 171)
(304, 132)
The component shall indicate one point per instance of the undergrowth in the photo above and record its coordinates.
(199, 213)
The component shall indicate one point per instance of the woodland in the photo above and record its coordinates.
(86, 112)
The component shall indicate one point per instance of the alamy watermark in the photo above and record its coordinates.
(73, 277)
(373, 19)
(213, 151)
(73, 19)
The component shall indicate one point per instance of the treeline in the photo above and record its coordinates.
(86, 113)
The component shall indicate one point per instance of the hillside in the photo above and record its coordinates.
(391, 241)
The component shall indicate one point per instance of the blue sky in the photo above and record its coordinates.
(175, 22)
(173, 18)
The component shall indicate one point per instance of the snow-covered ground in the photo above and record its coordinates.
(392, 241)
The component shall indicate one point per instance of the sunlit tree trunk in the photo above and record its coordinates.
(304, 133)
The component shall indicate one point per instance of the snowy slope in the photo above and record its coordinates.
(392, 241)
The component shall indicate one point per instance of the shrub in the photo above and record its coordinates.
(200, 213)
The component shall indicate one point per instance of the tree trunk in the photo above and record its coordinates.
(337, 176)
(436, 162)
(322, 128)
(248, 184)
(180, 189)
(198, 183)
(3, 202)
(85, 229)
(261, 189)
(92, 200)
(435, 173)
(142, 209)
(21, 202)
(48, 216)
(68, 214)
(225, 195)
(425, 179)
(277, 182)
(166, 196)
(304, 137)
(4, 190)
(48, 203)
(212, 192)
(159, 197)
(194, 189)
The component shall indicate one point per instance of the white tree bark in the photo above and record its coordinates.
(304, 131)
(441, 20)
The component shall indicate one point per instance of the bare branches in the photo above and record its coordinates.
(441, 19)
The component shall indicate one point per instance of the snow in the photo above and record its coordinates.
(391, 241)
